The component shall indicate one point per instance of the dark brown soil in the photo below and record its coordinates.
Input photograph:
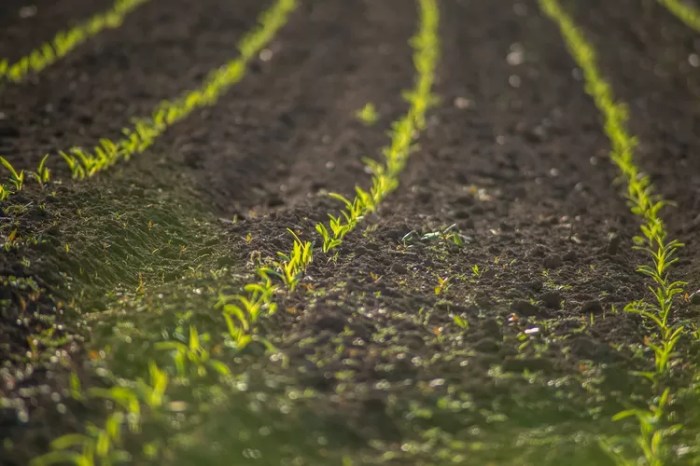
(376, 370)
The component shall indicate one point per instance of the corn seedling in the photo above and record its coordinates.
(42, 175)
(460, 322)
(653, 241)
(476, 271)
(385, 175)
(442, 285)
(368, 114)
(194, 355)
(66, 41)
(293, 264)
(683, 11)
(144, 131)
(16, 177)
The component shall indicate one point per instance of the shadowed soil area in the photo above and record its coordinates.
(476, 317)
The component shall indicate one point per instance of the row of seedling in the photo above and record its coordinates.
(144, 132)
(385, 175)
(242, 311)
(17, 178)
(66, 41)
(654, 421)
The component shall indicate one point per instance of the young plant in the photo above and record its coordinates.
(42, 175)
(368, 114)
(476, 271)
(442, 285)
(103, 444)
(293, 264)
(329, 239)
(460, 322)
(16, 177)
(194, 355)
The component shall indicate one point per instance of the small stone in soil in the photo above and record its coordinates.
(695, 297)
(613, 244)
(552, 262)
(330, 322)
(524, 308)
(552, 299)
(535, 285)
(592, 307)
(487, 345)
(569, 256)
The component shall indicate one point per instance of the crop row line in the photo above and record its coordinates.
(242, 311)
(653, 241)
(144, 131)
(686, 13)
(65, 41)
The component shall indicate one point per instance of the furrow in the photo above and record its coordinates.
(655, 424)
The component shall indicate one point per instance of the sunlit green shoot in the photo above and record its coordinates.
(368, 114)
(16, 177)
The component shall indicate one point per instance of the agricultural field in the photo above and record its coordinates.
(350, 232)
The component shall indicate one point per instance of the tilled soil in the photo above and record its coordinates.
(506, 346)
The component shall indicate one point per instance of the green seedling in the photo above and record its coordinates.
(42, 175)
(16, 177)
(442, 286)
(193, 355)
(449, 235)
(292, 265)
(101, 444)
(368, 114)
(329, 240)
(476, 271)
(460, 322)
